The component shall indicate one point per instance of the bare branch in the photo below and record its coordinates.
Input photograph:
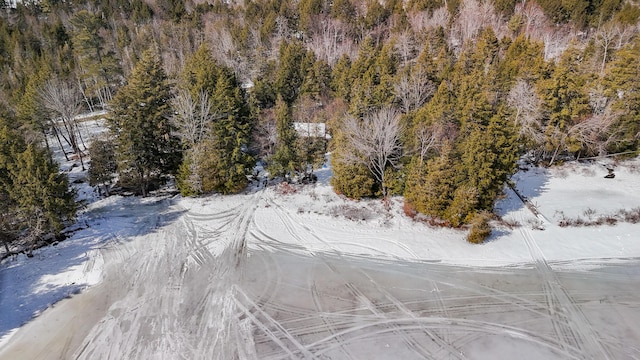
(191, 117)
(374, 142)
(528, 111)
(596, 133)
(413, 88)
(63, 100)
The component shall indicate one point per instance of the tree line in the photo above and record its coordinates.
(433, 100)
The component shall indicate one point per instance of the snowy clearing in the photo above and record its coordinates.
(309, 274)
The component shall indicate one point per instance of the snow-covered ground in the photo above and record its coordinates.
(300, 272)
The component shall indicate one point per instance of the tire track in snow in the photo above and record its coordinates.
(288, 221)
(512, 300)
(569, 321)
(450, 348)
(174, 310)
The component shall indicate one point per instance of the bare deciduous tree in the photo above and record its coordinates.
(625, 34)
(413, 88)
(596, 133)
(533, 14)
(473, 16)
(374, 142)
(423, 20)
(64, 102)
(330, 40)
(405, 45)
(264, 134)
(528, 111)
(432, 137)
(605, 37)
(191, 116)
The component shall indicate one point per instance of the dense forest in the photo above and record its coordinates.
(435, 100)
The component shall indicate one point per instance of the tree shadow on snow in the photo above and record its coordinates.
(529, 184)
(28, 286)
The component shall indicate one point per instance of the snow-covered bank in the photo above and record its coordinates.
(28, 286)
(147, 242)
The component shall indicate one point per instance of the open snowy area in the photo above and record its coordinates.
(293, 272)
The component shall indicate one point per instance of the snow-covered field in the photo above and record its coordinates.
(304, 273)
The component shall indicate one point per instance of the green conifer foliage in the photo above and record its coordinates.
(285, 160)
(146, 146)
(488, 158)
(524, 59)
(99, 69)
(352, 180)
(220, 162)
(200, 72)
(373, 72)
(30, 111)
(480, 228)
(430, 185)
(103, 163)
(622, 80)
(41, 193)
(341, 80)
(565, 101)
(228, 163)
(291, 70)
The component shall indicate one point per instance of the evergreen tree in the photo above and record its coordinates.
(103, 163)
(373, 72)
(29, 110)
(430, 186)
(622, 80)
(291, 71)
(285, 160)
(226, 161)
(341, 80)
(351, 180)
(42, 194)
(200, 73)
(146, 147)
(98, 69)
(488, 158)
(480, 227)
(565, 101)
(35, 199)
(219, 161)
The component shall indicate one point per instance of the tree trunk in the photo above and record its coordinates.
(555, 153)
(55, 131)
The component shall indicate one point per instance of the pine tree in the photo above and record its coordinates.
(622, 80)
(341, 78)
(146, 146)
(285, 160)
(41, 193)
(226, 162)
(488, 158)
(200, 73)
(103, 163)
(99, 69)
(565, 100)
(219, 161)
(430, 186)
(291, 70)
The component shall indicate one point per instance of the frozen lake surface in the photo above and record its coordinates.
(346, 308)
